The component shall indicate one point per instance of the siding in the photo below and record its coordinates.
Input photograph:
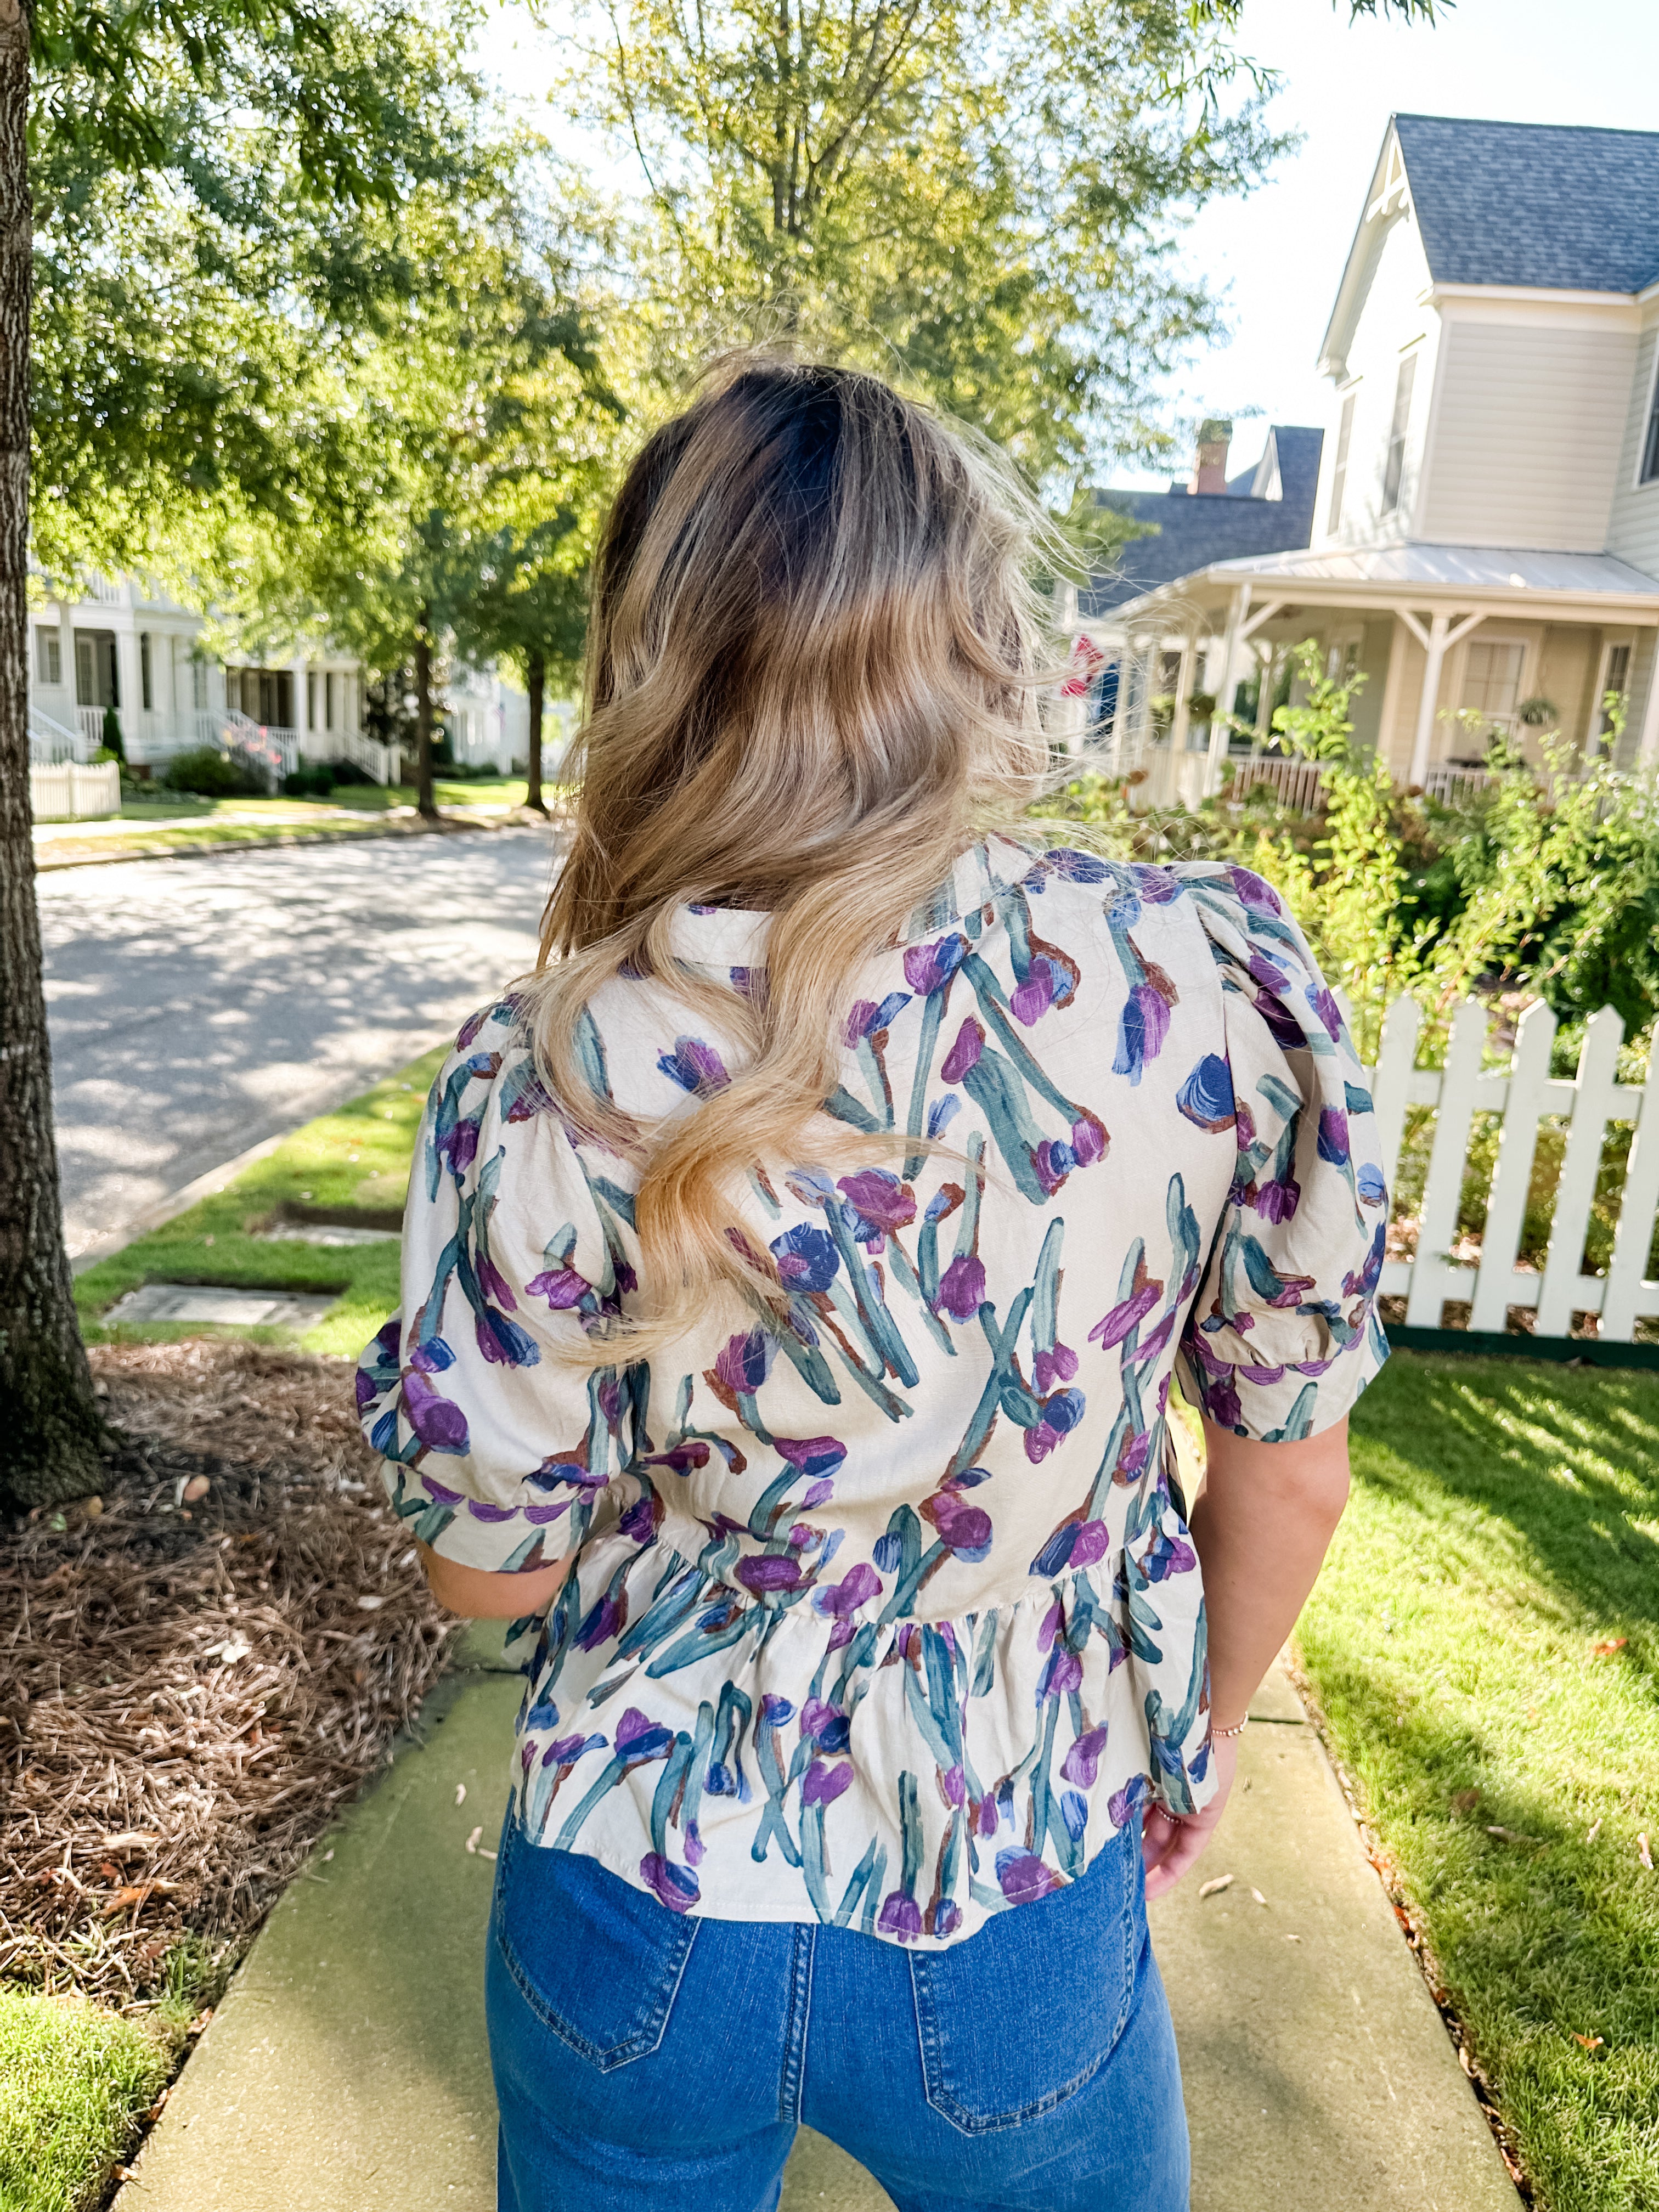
(1633, 532)
(1526, 438)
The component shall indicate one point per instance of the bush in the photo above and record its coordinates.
(212, 774)
(113, 741)
(346, 771)
(316, 780)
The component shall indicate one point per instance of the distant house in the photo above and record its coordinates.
(1485, 541)
(125, 647)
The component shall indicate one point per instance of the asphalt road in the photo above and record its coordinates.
(199, 1006)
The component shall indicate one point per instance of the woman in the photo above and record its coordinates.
(794, 1272)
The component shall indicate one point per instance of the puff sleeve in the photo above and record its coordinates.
(1283, 1335)
(494, 1450)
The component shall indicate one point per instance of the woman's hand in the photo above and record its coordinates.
(1170, 1847)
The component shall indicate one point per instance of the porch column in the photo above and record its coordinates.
(1647, 744)
(1238, 608)
(1390, 704)
(1182, 714)
(1436, 642)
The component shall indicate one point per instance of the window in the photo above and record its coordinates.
(1649, 470)
(311, 698)
(97, 683)
(146, 675)
(1340, 472)
(1492, 680)
(198, 687)
(48, 657)
(328, 701)
(1394, 467)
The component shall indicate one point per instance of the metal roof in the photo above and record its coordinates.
(1559, 206)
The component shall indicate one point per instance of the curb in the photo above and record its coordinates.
(325, 834)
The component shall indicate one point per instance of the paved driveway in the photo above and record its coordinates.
(200, 1005)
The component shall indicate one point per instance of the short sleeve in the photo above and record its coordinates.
(495, 1449)
(1283, 1335)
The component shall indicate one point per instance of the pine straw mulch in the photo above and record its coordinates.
(196, 1672)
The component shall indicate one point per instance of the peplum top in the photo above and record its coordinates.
(890, 1618)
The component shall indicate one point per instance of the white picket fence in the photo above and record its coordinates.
(66, 791)
(1523, 1094)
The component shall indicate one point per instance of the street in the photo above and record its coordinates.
(199, 1006)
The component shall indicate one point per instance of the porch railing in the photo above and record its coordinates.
(1298, 783)
(90, 722)
(270, 750)
(52, 743)
(383, 762)
(1447, 782)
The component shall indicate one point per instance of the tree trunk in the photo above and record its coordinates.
(423, 799)
(536, 673)
(50, 1428)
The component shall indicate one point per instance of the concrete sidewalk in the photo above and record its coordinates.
(346, 2070)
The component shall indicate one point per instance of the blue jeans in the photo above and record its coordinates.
(648, 2062)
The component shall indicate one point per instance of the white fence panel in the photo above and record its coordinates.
(1523, 1094)
(69, 791)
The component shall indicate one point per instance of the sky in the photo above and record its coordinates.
(1276, 257)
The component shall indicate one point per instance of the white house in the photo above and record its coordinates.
(126, 644)
(1484, 540)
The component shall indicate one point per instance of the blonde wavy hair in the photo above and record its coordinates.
(814, 666)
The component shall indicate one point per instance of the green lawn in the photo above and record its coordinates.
(356, 1159)
(74, 2081)
(1489, 1621)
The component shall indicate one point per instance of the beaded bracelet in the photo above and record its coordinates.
(1239, 1730)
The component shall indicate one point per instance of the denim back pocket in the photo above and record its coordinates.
(1022, 2015)
(599, 1961)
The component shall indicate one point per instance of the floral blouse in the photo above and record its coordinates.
(891, 1618)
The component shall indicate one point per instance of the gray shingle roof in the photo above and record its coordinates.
(1556, 205)
(1194, 529)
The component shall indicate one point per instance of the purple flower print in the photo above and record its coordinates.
(1088, 1139)
(1206, 1097)
(964, 1052)
(639, 1737)
(693, 1844)
(942, 1113)
(1113, 1326)
(776, 1711)
(1054, 1161)
(963, 1529)
(746, 1361)
(900, 1916)
(830, 1730)
(1142, 1027)
(674, 1887)
(605, 1619)
(867, 1019)
(764, 1572)
(1082, 1762)
(1122, 1804)
(1168, 1555)
(1261, 897)
(1333, 1135)
(962, 1286)
(1277, 1200)
(928, 968)
(947, 1917)
(1373, 1191)
(953, 1786)
(1074, 1811)
(1328, 1012)
(470, 1027)
(562, 1288)
(681, 1459)
(882, 1201)
(693, 1065)
(1282, 1025)
(1061, 1412)
(817, 1456)
(857, 1587)
(1022, 1876)
(569, 1749)
(1062, 1674)
(502, 1342)
(1092, 1542)
(806, 1258)
(638, 1524)
(822, 1785)
(1032, 998)
(438, 1422)
(458, 1146)
(494, 1285)
(1059, 1365)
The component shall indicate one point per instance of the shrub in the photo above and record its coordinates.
(212, 774)
(316, 780)
(113, 741)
